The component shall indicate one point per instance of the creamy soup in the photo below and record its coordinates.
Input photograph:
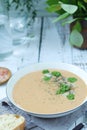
(43, 92)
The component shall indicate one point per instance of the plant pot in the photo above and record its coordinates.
(83, 32)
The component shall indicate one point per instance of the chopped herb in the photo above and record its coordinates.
(45, 71)
(63, 88)
(72, 79)
(71, 96)
(46, 78)
(64, 84)
(55, 73)
(58, 92)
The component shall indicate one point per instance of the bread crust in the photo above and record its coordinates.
(19, 126)
(5, 75)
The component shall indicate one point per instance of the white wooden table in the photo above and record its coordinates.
(50, 44)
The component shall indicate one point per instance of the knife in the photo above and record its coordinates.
(81, 125)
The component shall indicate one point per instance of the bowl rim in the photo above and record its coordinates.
(35, 67)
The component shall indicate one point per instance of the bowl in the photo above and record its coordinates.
(41, 66)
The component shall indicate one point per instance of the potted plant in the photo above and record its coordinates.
(78, 24)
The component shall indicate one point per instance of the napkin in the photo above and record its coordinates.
(60, 123)
(35, 123)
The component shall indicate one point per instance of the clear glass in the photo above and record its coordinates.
(18, 30)
(5, 41)
(15, 37)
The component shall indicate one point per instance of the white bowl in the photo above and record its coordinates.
(40, 66)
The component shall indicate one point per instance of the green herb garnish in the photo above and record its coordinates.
(46, 78)
(56, 73)
(45, 71)
(64, 84)
(71, 96)
(63, 88)
(72, 79)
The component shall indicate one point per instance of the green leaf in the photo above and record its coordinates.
(52, 2)
(71, 96)
(53, 8)
(76, 38)
(81, 5)
(45, 71)
(72, 79)
(47, 78)
(69, 21)
(85, 1)
(63, 16)
(55, 73)
(77, 26)
(63, 88)
(85, 18)
(69, 8)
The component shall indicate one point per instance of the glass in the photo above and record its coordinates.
(18, 24)
(21, 34)
(5, 41)
(15, 37)
(18, 30)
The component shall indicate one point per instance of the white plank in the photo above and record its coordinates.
(67, 51)
(79, 58)
(51, 49)
(55, 43)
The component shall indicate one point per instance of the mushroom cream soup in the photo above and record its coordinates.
(48, 92)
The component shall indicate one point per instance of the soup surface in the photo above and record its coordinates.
(38, 94)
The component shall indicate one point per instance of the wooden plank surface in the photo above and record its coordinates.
(51, 47)
(55, 42)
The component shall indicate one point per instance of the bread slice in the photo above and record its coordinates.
(12, 122)
(5, 74)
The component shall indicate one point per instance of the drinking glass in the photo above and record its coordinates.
(18, 31)
(5, 41)
(21, 34)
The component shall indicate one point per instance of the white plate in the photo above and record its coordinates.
(40, 66)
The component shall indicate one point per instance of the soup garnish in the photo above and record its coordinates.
(71, 96)
(72, 79)
(65, 85)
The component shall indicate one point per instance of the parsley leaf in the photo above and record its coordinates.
(46, 78)
(63, 88)
(71, 96)
(55, 73)
(45, 71)
(72, 79)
